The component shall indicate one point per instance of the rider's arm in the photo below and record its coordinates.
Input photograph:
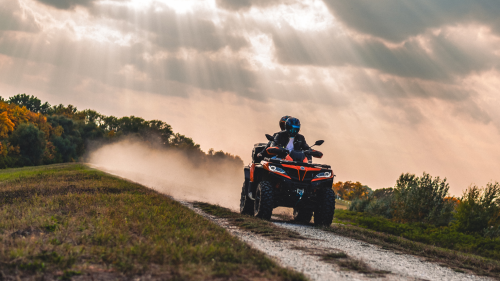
(305, 146)
(269, 144)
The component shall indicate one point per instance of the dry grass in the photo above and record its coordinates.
(71, 222)
(253, 224)
(341, 204)
(457, 261)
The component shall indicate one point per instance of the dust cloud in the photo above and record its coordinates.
(171, 172)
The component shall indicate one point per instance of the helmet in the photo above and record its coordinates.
(292, 126)
(283, 121)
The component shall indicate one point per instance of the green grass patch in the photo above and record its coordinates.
(253, 224)
(44, 171)
(356, 225)
(61, 221)
(444, 237)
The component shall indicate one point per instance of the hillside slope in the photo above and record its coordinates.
(71, 222)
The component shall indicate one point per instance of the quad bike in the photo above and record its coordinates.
(290, 180)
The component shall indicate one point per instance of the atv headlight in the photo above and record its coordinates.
(324, 175)
(276, 169)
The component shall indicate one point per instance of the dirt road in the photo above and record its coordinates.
(366, 262)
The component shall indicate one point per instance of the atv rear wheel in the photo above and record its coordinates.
(302, 216)
(323, 215)
(246, 204)
(263, 204)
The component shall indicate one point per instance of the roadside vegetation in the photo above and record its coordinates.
(419, 214)
(66, 220)
(423, 203)
(35, 133)
(458, 261)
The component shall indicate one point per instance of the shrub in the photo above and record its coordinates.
(422, 199)
(478, 210)
(382, 207)
(359, 205)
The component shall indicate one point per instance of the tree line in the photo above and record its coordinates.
(36, 133)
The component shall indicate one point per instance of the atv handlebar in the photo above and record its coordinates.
(280, 152)
(283, 152)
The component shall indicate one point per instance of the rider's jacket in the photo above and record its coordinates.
(282, 138)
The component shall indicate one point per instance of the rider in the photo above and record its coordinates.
(290, 136)
(283, 123)
(283, 127)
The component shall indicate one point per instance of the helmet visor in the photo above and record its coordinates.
(294, 130)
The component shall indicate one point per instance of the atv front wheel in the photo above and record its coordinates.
(246, 204)
(302, 216)
(323, 215)
(263, 204)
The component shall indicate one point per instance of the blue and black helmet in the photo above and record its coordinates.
(283, 122)
(292, 126)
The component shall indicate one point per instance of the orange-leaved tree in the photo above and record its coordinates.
(351, 190)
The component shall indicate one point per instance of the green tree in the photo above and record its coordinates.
(183, 142)
(421, 199)
(32, 103)
(479, 209)
(31, 142)
(69, 111)
(69, 144)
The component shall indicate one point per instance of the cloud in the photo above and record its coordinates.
(169, 30)
(236, 5)
(67, 4)
(71, 60)
(397, 20)
(14, 18)
(454, 52)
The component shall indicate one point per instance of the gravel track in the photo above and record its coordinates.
(305, 260)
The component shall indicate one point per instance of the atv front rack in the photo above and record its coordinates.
(280, 161)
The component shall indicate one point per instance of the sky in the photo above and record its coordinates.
(392, 86)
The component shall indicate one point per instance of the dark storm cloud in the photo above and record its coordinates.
(236, 5)
(396, 20)
(66, 4)
(446, 60)
(170, 30)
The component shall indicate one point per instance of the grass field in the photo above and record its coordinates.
(461, 252)
(70, 222)
(341, 204)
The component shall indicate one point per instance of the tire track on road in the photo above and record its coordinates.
(302, 255)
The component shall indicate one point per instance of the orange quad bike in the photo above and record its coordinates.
(288, 180)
